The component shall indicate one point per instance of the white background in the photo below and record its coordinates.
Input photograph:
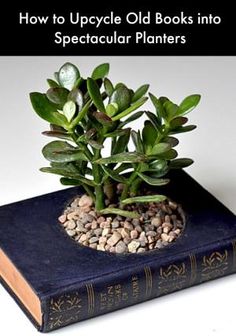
(204, 310)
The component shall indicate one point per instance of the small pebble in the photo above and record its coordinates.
(71, 233)
(165, 237)
(156, 221)
(151, 233)
(93, 245)
(128, 226)
(134, 234)
(121, 247)
(133, 246)
(94, 225)
(115, 224)
(73, 215)
(85, 201)
(80, 227)
(83, 238)
(98, 231)
(141, 249)
(125, 233)
(105, 231)
(102, 240)
(113, 240)
(71, 225)
(93, 240)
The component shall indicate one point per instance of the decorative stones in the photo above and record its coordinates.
(159, 225)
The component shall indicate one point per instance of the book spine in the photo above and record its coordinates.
(128, 287)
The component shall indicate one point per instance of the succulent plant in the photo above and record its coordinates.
(88, 114)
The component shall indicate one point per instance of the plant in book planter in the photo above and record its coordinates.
(117, 212)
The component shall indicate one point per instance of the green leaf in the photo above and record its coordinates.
(171, 154)
(95, 95)
(77, 97)
(160, 148)
(68, 166)
(57, 95)
(171, 140)
(65, 173)
(69, 110)
(57, 134)
(116, 211)
(149, 134)
(100, 71)
(130, 109)
(131, 118)
(170, 110)
(95, 144)
(121, 96)
(81, 114)
(52, 83)
(56, 75)
(180, 163)
(158, 106)
(69, 181)
(62, 151)
(68, 75)
(122, 142)
(153, 181)
(102, 118)
(88, 135)
(112, 109)
(122, 157)
(183, 129)
(108, 87)
(188, 104)
(154, 120)
(136, 137)
(179, 121)
(144, 199)
(117, 132)
(158, 168)
(47, 110)
(140, 92)
(114, 175)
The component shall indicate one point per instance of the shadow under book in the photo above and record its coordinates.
(58, 282)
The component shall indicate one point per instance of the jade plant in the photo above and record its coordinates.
(88, 114)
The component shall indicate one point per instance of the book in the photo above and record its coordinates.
(57, 281)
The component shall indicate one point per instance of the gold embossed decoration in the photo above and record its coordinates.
(172, 278)
(64, 310)
(215, 265)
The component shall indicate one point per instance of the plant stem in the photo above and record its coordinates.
(89, 191)
(99, 193)
(125, 191)
(134, 187)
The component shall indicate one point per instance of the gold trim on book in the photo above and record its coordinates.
(91, 300)
(148, 276)
(193, 264)
(234, 253)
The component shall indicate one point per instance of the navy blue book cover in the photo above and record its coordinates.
(75, 282)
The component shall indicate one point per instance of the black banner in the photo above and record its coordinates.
(110, 29)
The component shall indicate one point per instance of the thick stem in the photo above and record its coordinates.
(99, 203)
(125, 191)
(135, 186)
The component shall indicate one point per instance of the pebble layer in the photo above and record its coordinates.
(159, 224)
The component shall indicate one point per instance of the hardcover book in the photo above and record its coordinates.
(57, 282)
